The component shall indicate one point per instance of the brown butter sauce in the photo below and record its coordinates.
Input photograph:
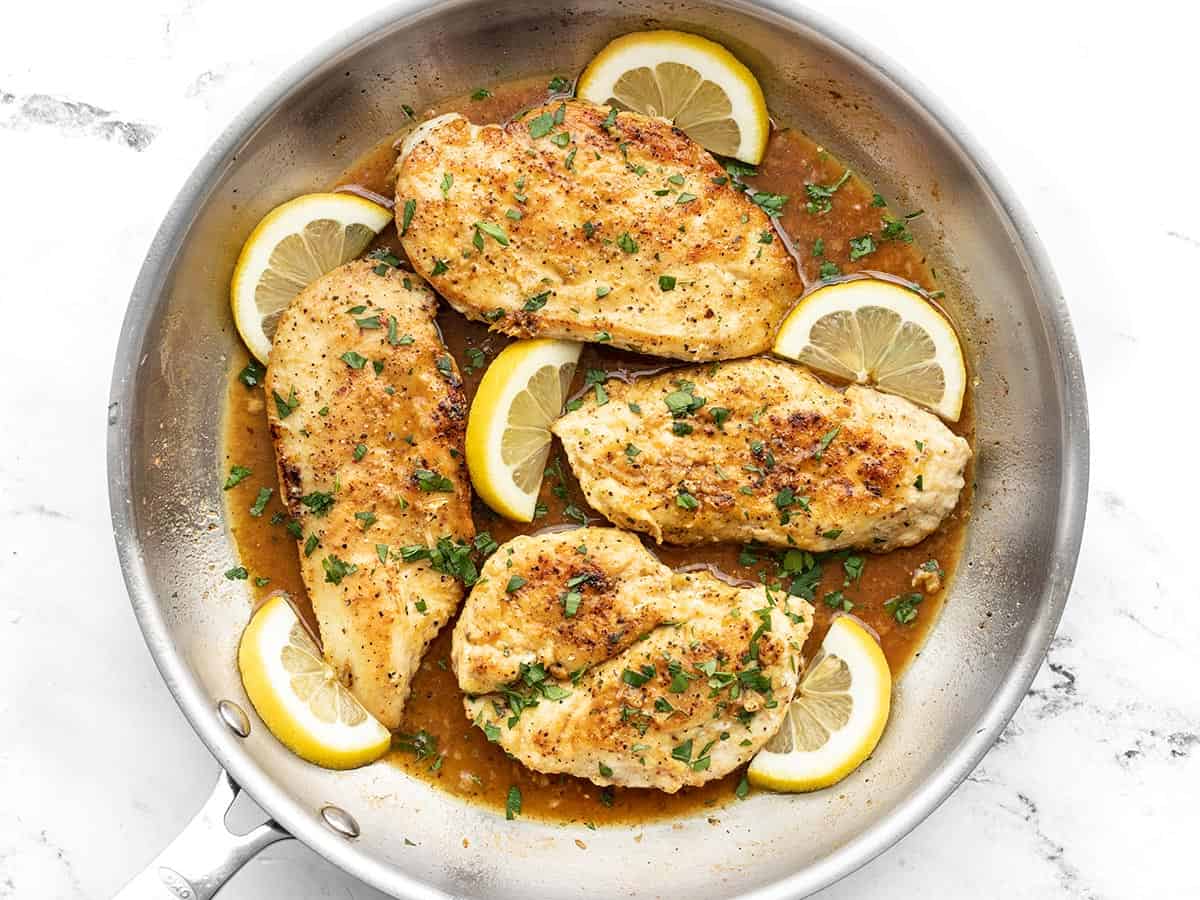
(472, 768)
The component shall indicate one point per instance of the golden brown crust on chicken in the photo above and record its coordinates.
(365, 409)
(772, 454)
(648, 678)
(630, 229)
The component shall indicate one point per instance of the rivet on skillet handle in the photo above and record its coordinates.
(234, 717)
(340, 821)
(205, 855)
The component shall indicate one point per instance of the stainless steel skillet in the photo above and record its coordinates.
(165, 489)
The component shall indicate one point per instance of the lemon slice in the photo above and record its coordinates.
(293, 246)
(696, 83)
(876, 332)
(836, 718)
(508, 430)
(298, 696)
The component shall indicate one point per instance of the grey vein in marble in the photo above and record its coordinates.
(72, 117)
(1183, 237)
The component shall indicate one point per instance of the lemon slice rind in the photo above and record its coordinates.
(876, 332)
(295, 244)
(718, 71)
(859, 727)
(277, 659)
(508, 429)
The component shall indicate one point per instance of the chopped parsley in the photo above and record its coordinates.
(515, 584)
(895, 230)
(449, 556)
(237, 474)
(512, 804)
(829, 270)
(826, 440)
(837, 600)
(785, 499)
(638, 678)
(558, 84)
(237, 573)
(440, 267)
(861, 246)
(570, 603)
(666, 283)
(904, 607)
(366, 518)
(685, 500)
(422, 744)
(353, 360)
(252, 375)
(536, 302)
(853, 567)
(820, 197)
(286, 407)
(739, 170)
(410, 209)
(542, 125)
(431, 481)
(492, 230)
(481, 94)
(260, 502)
(475, 359)
(626, 243)
(336, 569)
(318, 502)
(595, 378)
(360, 450)
(771, 204)
(683, 401)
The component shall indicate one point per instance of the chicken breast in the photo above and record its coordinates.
(573, 221)
(367, 417)
(582, 653)
(761, 450)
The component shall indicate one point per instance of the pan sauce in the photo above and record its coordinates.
(465, 764)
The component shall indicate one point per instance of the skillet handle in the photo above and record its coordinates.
(205, 855)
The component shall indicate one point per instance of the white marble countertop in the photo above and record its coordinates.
(1093, 791)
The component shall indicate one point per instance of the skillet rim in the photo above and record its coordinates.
(302, 822)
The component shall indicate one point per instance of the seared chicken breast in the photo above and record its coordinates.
(575, 221)
(761, 450)
(582, 653)
(367, 417)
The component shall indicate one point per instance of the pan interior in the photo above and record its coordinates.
(415, 841)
